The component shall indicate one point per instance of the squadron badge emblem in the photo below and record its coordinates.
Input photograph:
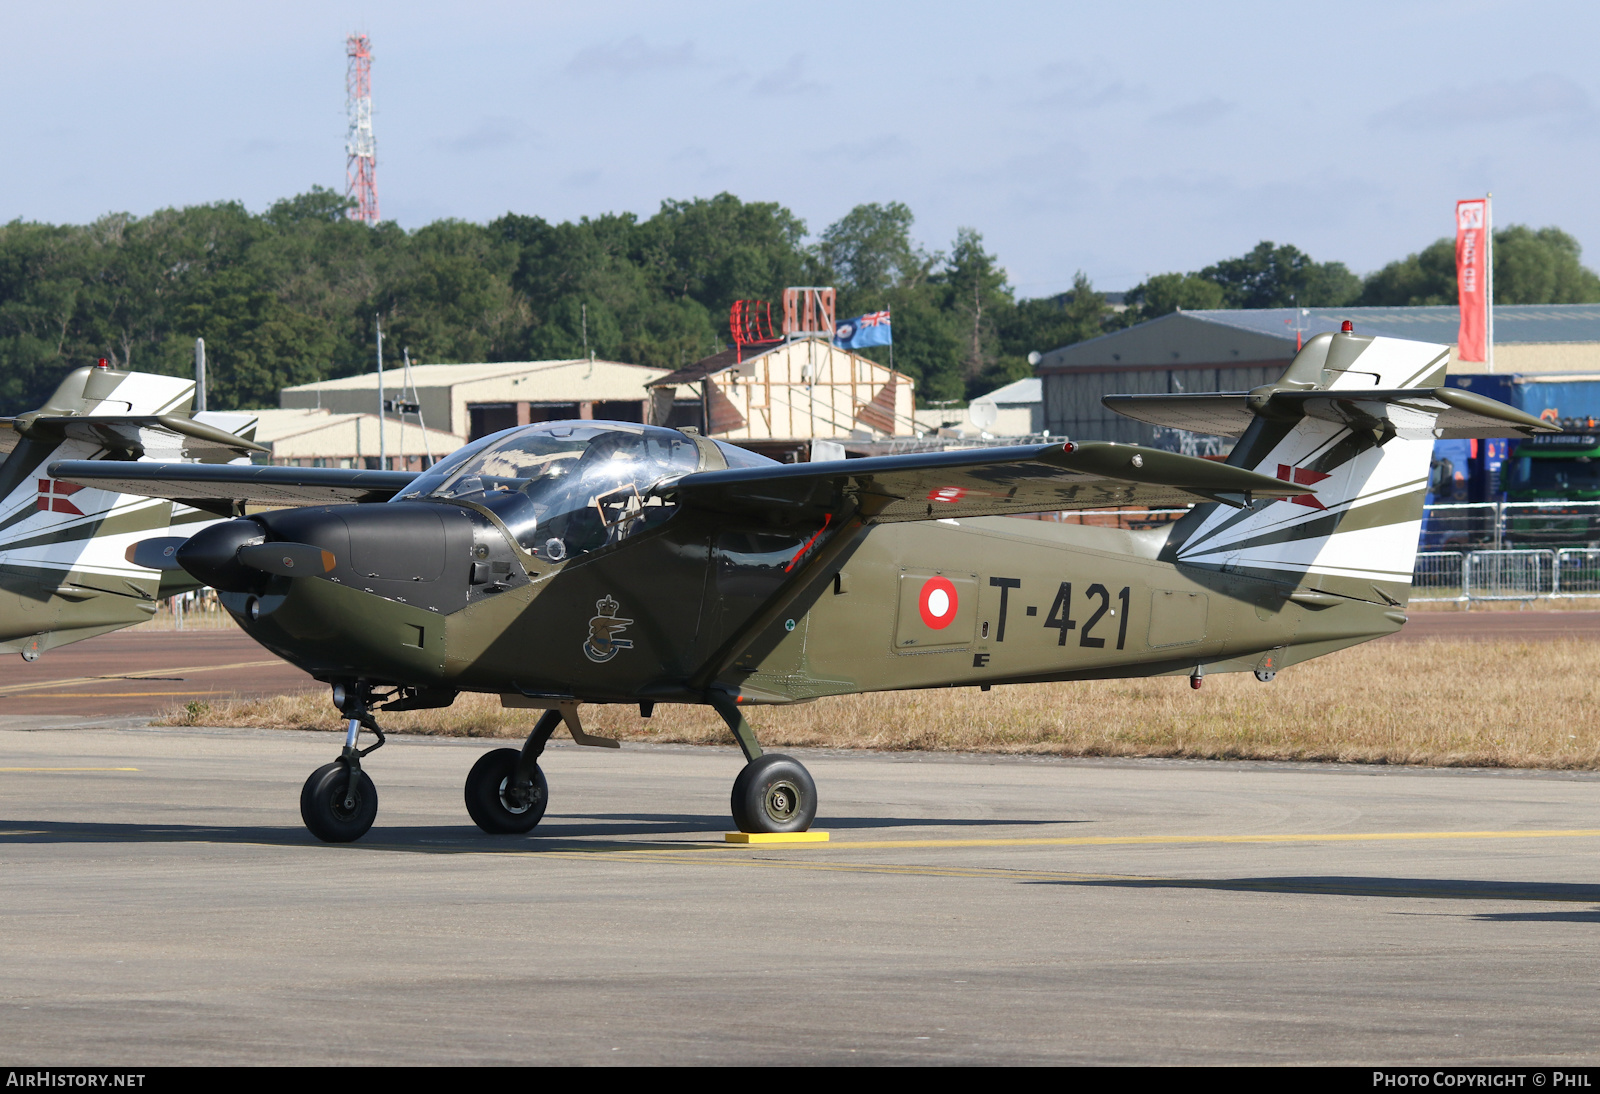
(603, 643)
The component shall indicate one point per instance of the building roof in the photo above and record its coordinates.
(1017, 393)
(312, 432)
(717, 362)
(1179, 340)
(1240, 336)
(452, 375)
(1513, 323)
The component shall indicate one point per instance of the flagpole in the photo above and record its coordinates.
(1488, 296)
(383, 452)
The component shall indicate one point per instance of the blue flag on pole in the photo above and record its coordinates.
(872, 329)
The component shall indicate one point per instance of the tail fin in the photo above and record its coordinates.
(64, 548)
(1353, 420)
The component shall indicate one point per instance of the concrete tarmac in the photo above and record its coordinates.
(161, 904)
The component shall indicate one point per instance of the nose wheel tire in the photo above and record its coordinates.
(323, 804)
(495, 802)
(774, 794)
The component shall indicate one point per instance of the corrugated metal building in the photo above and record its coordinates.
(475, 400)
(321, 438)
(1224, 350)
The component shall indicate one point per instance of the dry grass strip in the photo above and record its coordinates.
(1478, 704)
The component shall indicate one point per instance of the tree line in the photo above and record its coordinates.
(291, 295)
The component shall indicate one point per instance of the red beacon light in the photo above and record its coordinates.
(102, 363)
(1347, 328)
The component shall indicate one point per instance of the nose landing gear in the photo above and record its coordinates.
(338, 802)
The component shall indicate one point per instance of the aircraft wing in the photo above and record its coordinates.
(979, 482)
(193, 482)
(1223, 413)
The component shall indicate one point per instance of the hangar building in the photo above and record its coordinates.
(475, 400)
(322, 438)
(1222, 350)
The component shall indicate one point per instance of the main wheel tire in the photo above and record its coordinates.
(774, 794)
(489, 799)
(322, 804)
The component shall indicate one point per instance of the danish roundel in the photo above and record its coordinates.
(938, 603)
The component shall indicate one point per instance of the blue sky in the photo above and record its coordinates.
(1121, 139)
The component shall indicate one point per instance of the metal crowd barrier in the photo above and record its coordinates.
(1451, 527)
(1509, 551)
(1521, 524)
(189, 612)
(1577, 572)
(1439, 575)
(1519, 574)
(1510, 575)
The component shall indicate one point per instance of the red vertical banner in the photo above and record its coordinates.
(1472, 278)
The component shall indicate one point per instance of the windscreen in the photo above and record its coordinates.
(564, 489)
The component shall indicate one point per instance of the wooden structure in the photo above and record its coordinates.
(785, 393)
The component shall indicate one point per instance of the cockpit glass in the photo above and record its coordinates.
(564, 489)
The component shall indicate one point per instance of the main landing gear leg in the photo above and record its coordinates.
(338, 802)
(506, 792)
(773, 793)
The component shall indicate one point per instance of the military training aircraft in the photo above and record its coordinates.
(606, 562)
(67, 565)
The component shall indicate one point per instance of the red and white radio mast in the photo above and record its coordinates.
(361, 166)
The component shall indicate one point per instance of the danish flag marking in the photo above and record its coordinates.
(1302, 476)
(53, 496)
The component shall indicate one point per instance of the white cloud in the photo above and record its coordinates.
(1195, 114)
(631, 55)
(1073, 86)
(786, 81)
(1542, 96)
(488, 135)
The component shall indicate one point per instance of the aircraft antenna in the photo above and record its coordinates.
(361, 149)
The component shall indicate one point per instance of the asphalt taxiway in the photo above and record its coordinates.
(161, 904)
(145, 672)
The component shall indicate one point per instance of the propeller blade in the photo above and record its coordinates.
(287, 559)
(156, 554)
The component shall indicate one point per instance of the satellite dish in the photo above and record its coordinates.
(983, 413)
(1034, 357)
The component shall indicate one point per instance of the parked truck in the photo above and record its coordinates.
(1544, 478)
(1561, 467)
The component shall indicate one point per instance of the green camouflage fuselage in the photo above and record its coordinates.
(1032, 601)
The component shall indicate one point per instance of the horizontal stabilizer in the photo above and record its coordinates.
(979, 482)
(1224, 413)
(1440, 412)
(132, 434)
(189, 482)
